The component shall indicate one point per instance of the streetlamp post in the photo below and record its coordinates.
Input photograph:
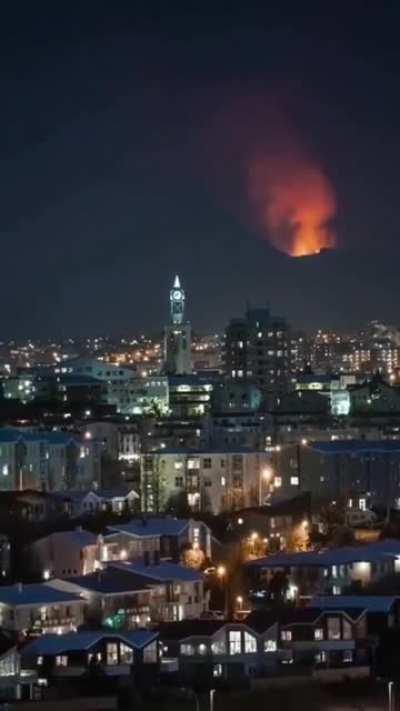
(391, 696)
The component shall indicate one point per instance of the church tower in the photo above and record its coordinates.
(177, 335)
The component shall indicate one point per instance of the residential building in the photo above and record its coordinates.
(258, 348)
(15, 684)
(59, 658)
(37, 607)
(65, 553)
(170, 536)
(330, 571)
(49, 461)
(211, 480)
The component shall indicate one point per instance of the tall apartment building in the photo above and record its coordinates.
(258, 348)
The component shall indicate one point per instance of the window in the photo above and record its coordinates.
(336, 590)
(178, 465)
(234, 642)
(202, 649)
(270, 645)
(187, 650)
(250, 643)
(347, 656)
(363, 504)
(112, 653)
(126, 654)
(179, 481)
(294, 480)
(277, 482)
(222, 463)
(347, 631)
(334, 571)
(320, 657)
(319, 633)
(218, 647)
(207, 463)
(39, 661)
(217, 670)
(4, 469)
(62, 660)
(150, 653)
(193, 464)
(333, 628)
(286, 636)
(223, 481)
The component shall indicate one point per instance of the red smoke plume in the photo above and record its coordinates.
(267, 175)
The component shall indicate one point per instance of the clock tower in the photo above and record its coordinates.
(177, 336)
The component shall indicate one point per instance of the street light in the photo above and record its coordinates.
(390, 693)
(239, 601)
(221, 574)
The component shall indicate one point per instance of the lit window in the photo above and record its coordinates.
(4, 469)
(223, 481)
(336, 590)
(286, 636)
(126, 654)
(62, 660)
(234, 642)
(320, 657)
(217, 670)
(150, 653)
(334, 571)
(178, 465)
(202, 649)
(250, 643)
(187, 650)
(294, 480)
(39, 661)
(218, 647)
(112, 653)
(333, 628)
(319, 633)
(277, 482)
(270, 645)
(363, 504)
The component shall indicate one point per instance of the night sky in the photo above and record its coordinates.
(117, 172)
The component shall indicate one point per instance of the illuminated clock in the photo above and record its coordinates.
(177, 295)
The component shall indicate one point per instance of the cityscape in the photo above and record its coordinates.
(200, 358)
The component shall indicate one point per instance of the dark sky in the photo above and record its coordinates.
(109, 155)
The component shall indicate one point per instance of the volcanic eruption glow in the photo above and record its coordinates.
(293, 201)
(267, 175)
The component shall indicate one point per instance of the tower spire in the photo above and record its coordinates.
(177, 283)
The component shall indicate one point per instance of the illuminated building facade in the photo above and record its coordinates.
(177, 335)
(258, 348)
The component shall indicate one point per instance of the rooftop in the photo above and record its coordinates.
(371, 603)
(161, 572)
(34, 594)
(141, 528)
(374, 552)
(50, 644)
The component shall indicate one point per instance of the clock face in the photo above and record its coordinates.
(177, 295)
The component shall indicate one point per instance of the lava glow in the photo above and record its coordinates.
(294, 202)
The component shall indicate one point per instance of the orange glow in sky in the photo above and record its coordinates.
(294, 203)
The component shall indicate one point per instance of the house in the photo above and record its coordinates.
(173, 534)
(219, 652)
(77, 654)
(15, 684)
(38, 608)
(112, 597)
(179, 591)
(65, 553)
(332, 638)
(138, 594)
(383, 611)
(329, 571)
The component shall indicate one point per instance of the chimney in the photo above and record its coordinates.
(146, 558)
